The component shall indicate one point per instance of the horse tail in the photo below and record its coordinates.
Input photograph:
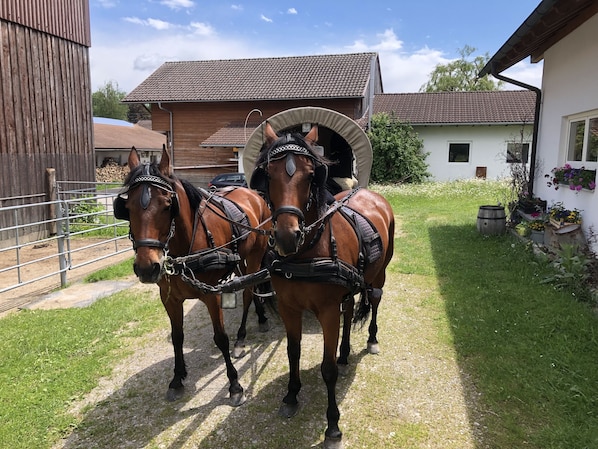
(363, 309)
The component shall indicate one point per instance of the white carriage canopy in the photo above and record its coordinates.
(342, 139)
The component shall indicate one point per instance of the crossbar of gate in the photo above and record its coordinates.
(79, 220)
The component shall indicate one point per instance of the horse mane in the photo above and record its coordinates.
(193, 193)
(321, 194)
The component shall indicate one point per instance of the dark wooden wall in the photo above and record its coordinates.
(45, 88)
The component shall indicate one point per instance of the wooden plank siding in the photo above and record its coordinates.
(67, 19)
(193, 123)
(45, 87)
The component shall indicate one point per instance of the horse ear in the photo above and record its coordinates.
(133, 158)
(312, 135)
(269, 134)
(164, 166)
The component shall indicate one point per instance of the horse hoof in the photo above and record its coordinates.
(333, 443)
(343, 370)
(237, 399)
(288, 410)
(174, 394)
(238, 352)
(265, 326)
(373, 348)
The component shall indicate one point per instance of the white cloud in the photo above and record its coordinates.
(291, 11)
(178, 4)
(237, 7)
(266, 19)
(153, 23)
(203, 29)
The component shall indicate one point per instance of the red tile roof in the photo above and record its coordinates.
(454, 108)
(301, 77)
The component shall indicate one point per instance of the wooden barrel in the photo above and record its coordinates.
(492, 220)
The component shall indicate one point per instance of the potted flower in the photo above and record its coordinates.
(576, 178)
(560, 216)
(536, 228)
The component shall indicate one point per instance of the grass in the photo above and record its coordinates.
(52, 358)
(118, 271)
(525, 354)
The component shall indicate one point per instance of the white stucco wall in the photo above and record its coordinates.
(569, 86)
(488, 148)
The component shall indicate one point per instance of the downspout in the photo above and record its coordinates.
(532, 165)
(170, 149)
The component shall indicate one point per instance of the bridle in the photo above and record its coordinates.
(288, 151)
(145, 180)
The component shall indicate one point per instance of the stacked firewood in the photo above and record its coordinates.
(111, 172)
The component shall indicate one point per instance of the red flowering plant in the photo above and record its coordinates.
(576, 178)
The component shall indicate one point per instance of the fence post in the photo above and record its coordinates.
(51, 197)
(61, 254)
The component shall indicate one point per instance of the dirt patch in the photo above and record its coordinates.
(42, 260)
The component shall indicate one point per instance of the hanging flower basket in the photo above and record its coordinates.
(576, 179)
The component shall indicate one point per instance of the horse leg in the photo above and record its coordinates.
(239, 347)
(330, 322)
(237, 395)
(260, 310)
(374, 296)
(345, 348)
(294, 327)
(174, 309)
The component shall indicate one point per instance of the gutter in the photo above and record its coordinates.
(170, 134)
(532, 165)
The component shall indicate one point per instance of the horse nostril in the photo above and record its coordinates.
(156, 268)
(299, 237)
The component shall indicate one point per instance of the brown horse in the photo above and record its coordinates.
(327, 251)
(171, 219)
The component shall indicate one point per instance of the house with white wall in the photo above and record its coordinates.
(467, 134)
(563, 34)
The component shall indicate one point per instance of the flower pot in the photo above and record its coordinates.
(537, 236)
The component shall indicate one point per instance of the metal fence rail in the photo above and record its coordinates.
(82, 231)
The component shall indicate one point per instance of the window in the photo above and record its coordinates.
(582, 140)
(458, 152)
(517, 153)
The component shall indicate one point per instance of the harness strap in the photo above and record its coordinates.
(322, 269)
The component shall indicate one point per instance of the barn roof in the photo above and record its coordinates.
(112, 134)
(297, 77)
(459, 108)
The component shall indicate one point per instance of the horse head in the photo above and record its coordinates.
(150, 204)
(291, 176)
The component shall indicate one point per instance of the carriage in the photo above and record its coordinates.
(341, 139)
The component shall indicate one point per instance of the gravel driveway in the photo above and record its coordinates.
(412, 394)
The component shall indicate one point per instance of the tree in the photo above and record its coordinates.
(461, 75)
(397, 151)
(107, 102)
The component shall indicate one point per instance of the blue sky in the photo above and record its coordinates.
(131, 38)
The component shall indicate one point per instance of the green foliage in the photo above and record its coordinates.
(572, 272)
(107, 102)
(398, 151)
(461, 75)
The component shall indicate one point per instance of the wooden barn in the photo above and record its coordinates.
(45, 87)
(208, 109)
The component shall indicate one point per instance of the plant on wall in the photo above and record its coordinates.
(576, 178)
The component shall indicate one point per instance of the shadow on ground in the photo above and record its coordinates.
(137, 415)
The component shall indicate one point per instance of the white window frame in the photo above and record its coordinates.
(585, 117)
(459, 142)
